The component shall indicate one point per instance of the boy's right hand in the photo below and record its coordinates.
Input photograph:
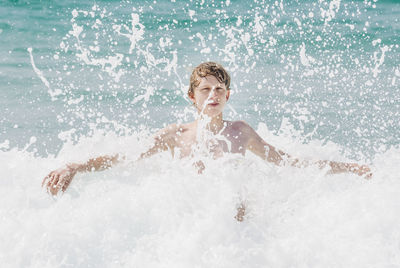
(59, 179)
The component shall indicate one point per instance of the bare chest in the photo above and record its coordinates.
(190, 143)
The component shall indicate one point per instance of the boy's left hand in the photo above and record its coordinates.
(361, 170)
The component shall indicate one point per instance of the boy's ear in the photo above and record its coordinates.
(228, 94)
(191, 96)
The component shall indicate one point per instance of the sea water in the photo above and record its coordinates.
(316, 79)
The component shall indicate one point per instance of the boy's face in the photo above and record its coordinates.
(210, 96)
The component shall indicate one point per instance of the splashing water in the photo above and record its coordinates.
(320, 79)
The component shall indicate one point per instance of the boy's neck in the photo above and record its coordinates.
(215, 125)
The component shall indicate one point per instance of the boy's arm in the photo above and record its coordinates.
(61, 178)
(96, 164)
(340, 167)
(164, 140)
(268, 152)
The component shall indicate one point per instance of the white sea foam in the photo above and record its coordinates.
(379, 61)
(305, 59)
(135, 34)
(37, 71)
(330, 14)
(160, 213)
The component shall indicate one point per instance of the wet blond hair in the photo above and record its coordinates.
(208, 68)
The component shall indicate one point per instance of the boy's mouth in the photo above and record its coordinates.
(213, 104)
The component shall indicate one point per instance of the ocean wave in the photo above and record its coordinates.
(160, 212)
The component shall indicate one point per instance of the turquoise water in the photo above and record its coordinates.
(317, 79)
(330, 68)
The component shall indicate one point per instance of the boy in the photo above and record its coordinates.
(209, 91)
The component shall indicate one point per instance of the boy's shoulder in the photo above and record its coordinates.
(239, 125)
(241, 128)
(174, 129)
